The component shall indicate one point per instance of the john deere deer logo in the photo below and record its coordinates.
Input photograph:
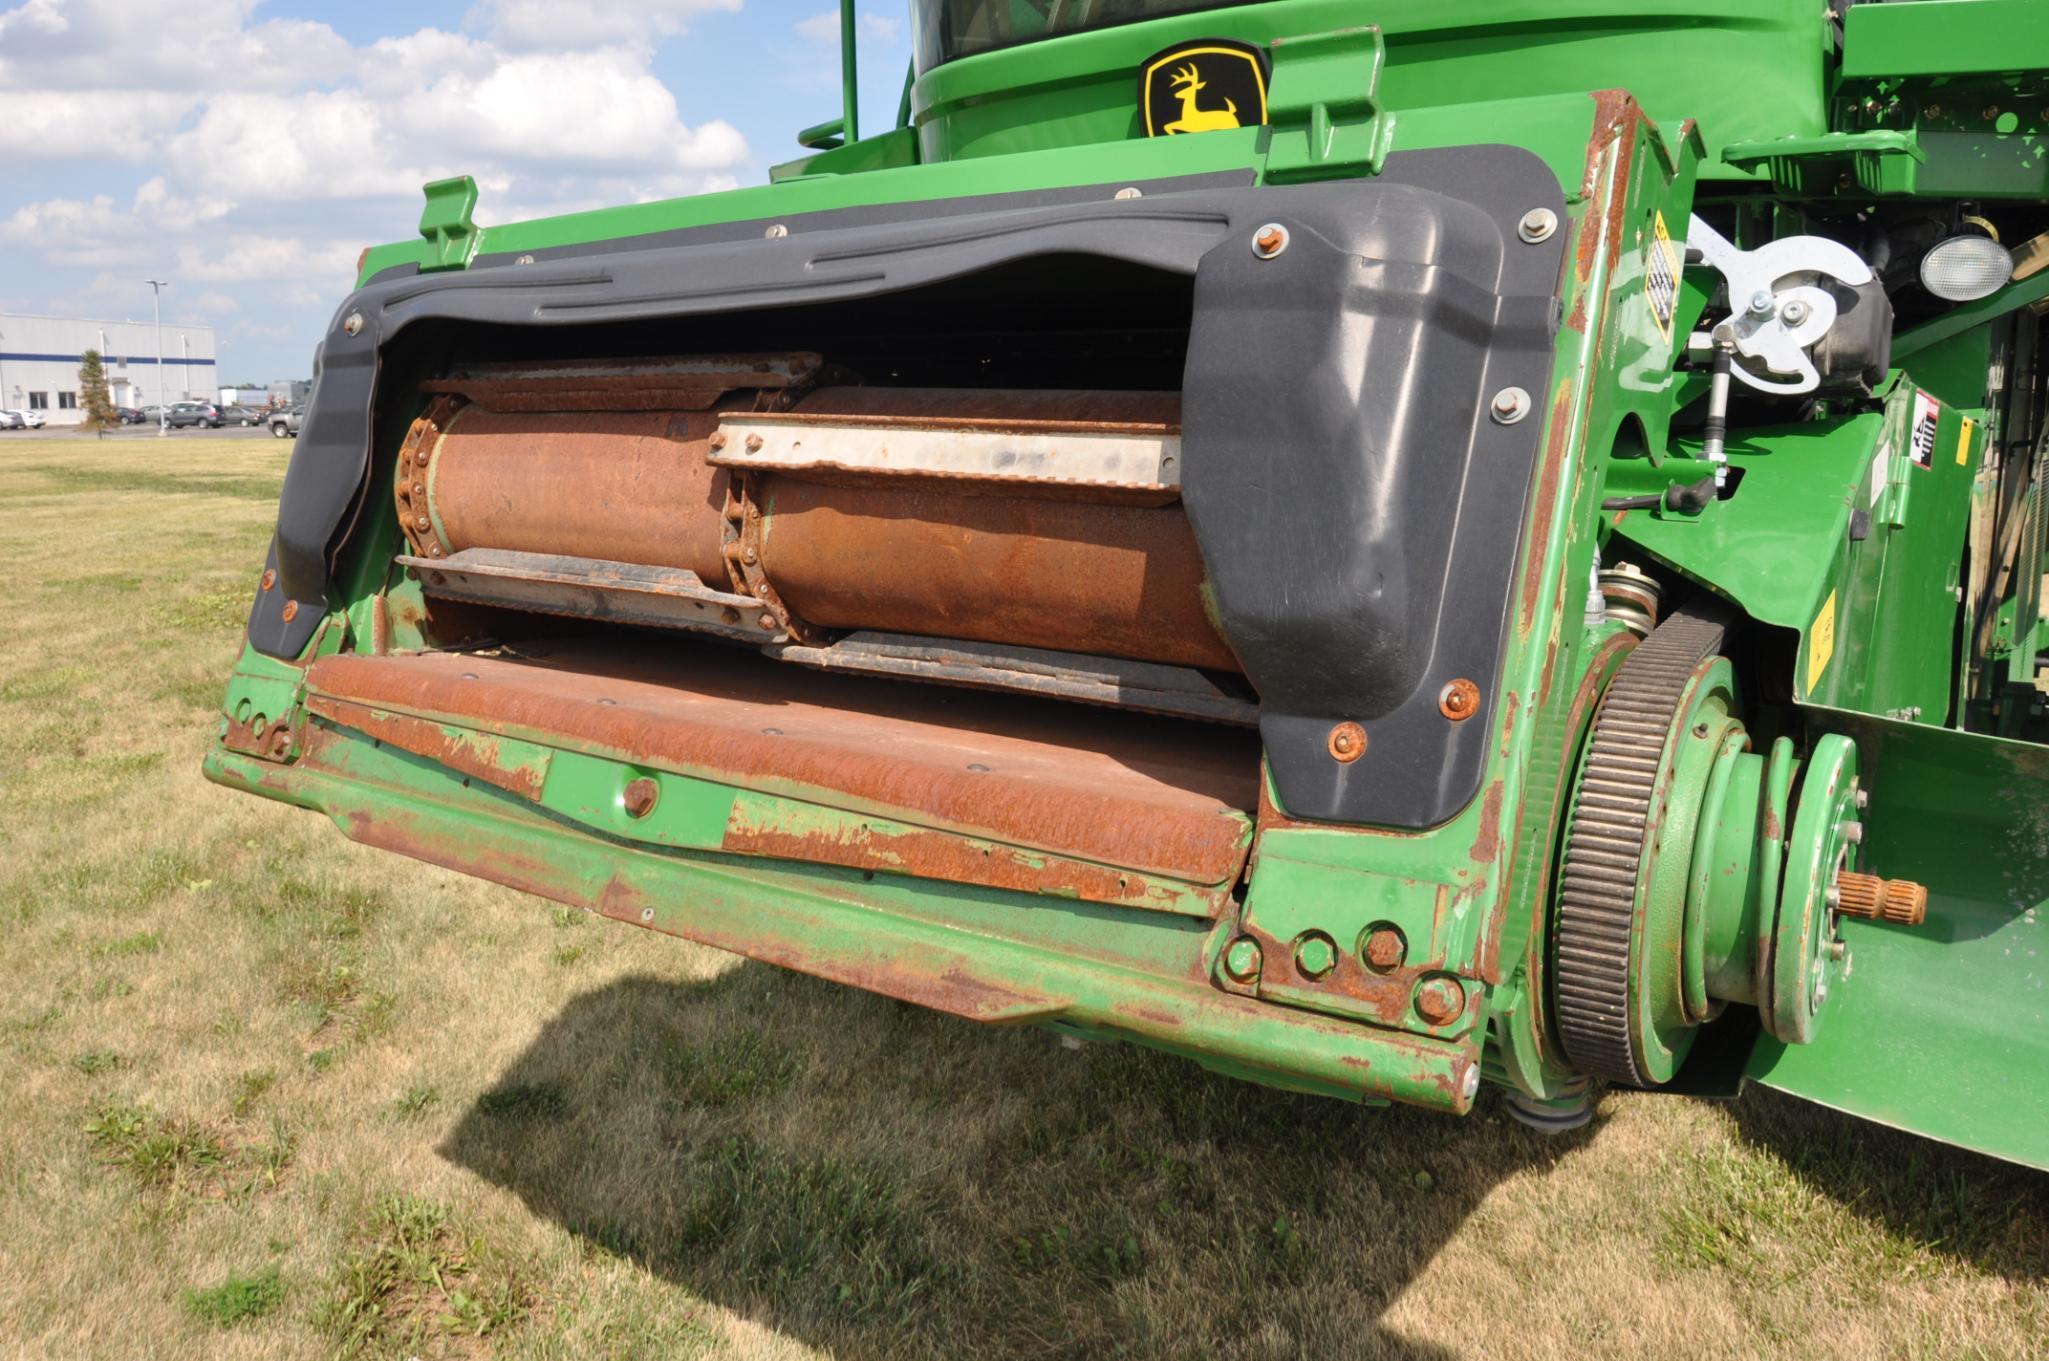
(1187, 85)
(1208, 86)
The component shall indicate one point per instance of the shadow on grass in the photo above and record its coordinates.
(1990, 1214)
(881, 1181)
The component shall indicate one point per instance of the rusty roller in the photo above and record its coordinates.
(1030, 518)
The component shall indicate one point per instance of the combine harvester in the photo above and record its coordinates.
(1379, 547)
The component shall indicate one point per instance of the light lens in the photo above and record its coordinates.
(1965, 268)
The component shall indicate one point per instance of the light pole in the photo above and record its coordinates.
(156, 295)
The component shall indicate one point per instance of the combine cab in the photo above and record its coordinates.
(1379, 548)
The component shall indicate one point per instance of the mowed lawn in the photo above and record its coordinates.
(273, 1095)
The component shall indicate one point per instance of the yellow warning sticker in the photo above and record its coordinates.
(1821, 642)
(1964, 442)
(1661, 277)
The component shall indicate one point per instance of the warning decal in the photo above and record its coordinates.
(1964, 442)
(1661, 277)
(1921, 439)
(1821, 642)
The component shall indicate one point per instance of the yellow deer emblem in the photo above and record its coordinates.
(1187, 85)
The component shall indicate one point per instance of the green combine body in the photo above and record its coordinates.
(1380, 547)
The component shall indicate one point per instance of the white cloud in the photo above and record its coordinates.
(548, 25)
(825, 27)
(276, 147)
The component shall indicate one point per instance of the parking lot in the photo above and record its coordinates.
(140, 432)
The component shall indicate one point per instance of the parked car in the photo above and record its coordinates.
(32, 420)
(284, 423)
(129, 415)
(10, 420)
(204, 414)
(237, 414)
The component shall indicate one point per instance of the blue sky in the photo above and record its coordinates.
(247, 150)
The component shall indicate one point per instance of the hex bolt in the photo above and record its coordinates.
(1440, 1001)
(1853, 832)
(1459, 700)
(754, 443)
(766, 620)
(353, 323)
(1347, 743)
(1509, 406)
(1794, 313)
(1269, 240)
(1537, 225)
(1761, 304)
(1241, 960)
(775, 231)
(639, 797)
(1863, 799)
(718, 439)
(1385, 949)
(1315, 956)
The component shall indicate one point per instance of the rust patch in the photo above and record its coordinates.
(476, 755)
(1549, 472)
(1486, 847)
(1108, 788)
(926, 854)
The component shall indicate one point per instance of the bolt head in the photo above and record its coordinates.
(1761, 303)
(1794, 313)
(1241, 960)
(1440, 1000)
(1315, 956)
(353, 323)
(1510, 405)
(775, 231)
(754, 443)
(1347, 743)
(1459, 700)
(524, 260)
(290, 611)
(718, 439)
(638, 798)
(1128, 192)
(269, 578)
(1537, 224)
(1270, 240)
(1385, 949)
(766, 620)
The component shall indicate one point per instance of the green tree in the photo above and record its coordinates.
(93, 395)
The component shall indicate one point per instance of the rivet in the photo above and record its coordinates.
(291, 611)
(1537, 225)
(750, 556)
(647, 914)
(269, 578)
(524, 260)
(1459, 700)
(353, 323)
(771, 732)
(1128, 192)
(1440, 1000)
(1269, 240)
(1510, 405)
(1347, 743)
(978, 768)
(639, 797)
(775, 231)
(420, 456)
(1241, 960)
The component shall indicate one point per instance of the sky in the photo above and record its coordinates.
(246, 150)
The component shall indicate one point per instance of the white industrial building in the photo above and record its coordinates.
(39, 359)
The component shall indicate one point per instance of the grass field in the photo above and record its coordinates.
(273, 1095)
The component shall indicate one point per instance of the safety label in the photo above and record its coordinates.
(1921, 439)
(1821, 642)
(1661, 277)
